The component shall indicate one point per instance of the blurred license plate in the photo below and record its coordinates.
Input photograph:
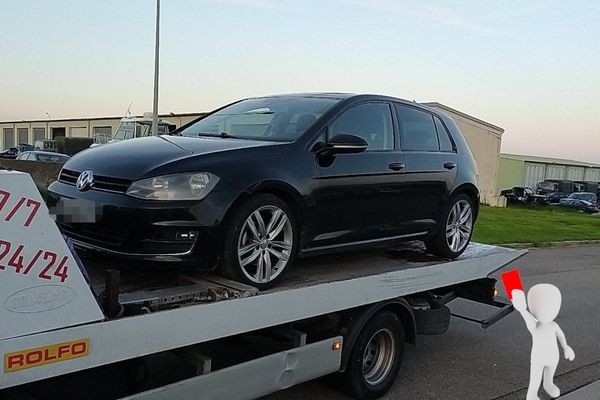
(76, 210)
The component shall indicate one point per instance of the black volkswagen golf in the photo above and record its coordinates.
(251, 186)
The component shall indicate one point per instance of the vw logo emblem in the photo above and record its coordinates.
(85, 180)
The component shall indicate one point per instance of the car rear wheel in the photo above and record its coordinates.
(260, 242)
(455, 232)
(376, 357)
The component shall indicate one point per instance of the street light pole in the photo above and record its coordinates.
(155, 104)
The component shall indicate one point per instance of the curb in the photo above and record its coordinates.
(549, 244)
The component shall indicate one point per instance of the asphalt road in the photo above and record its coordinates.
(470, 363)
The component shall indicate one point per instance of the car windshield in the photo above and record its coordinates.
(583, 196)
(547, 185)
(52, 158)
(280, 119)
(125, 131)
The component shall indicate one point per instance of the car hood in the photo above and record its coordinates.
(137, 158)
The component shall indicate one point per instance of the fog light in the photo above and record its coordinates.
(495, 293)
(188, 235)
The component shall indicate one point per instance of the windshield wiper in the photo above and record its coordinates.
(221, 134)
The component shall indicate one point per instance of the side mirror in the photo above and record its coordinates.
(343, 144)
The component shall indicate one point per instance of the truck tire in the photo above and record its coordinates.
(375, 358)
(455, 230)
(260, 242)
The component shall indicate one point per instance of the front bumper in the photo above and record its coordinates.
(122, 226)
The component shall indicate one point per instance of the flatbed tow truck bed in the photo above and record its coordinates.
(319, 311)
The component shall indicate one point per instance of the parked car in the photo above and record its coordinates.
(11, 152)
(585, 201)
(46, 156)
(519, 195)
(552, 198)
(252, 185)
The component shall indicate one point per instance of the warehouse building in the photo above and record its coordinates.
(17, 132)
(521, 170)
(483, 138)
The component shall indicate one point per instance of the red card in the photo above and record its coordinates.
(511, 281)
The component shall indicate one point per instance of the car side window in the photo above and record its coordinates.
(443, 136)
(370, 121)
(417, 129)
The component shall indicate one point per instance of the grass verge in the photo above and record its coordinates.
(537, 225)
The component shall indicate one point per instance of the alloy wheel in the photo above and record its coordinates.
(265, 244)
(459, 225)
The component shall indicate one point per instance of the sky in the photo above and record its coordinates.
(532, 67)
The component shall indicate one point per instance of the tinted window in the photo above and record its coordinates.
(445, 143)
(280, 119)
(417, 129)
(371, 121)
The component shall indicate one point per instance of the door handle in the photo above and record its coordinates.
(396, 166)
(449, 165)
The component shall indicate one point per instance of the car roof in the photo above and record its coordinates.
(45, 153)
(345, 96)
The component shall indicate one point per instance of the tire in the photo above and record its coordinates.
(443, 246)
(247, 237)
(363, 378)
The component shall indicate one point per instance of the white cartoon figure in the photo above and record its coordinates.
(544, 304)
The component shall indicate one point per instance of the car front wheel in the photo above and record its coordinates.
(260, 242)
(456, 228)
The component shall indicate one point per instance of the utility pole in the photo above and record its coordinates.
(155, 104)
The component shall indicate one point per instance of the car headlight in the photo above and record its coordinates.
(184, 186)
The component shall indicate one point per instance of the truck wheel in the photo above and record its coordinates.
(456, 228)
(260, 242)
(376, 357)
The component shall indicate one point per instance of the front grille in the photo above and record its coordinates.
(120, 240)
(105, 237)
(104, 183)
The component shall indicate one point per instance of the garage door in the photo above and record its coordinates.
(534, 173)
(23, 135)
(9, 138)
(592, 174)
(575, 173)
(556, 172)
(39, 134)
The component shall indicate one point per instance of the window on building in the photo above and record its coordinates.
(103, 131)
(417, 129)
(9, 138)
(39, 134)
(371, 121)
(23, 135)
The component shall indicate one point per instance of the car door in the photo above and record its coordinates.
(358, 195)
(431, 164)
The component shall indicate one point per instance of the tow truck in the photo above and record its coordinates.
(65, 318)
